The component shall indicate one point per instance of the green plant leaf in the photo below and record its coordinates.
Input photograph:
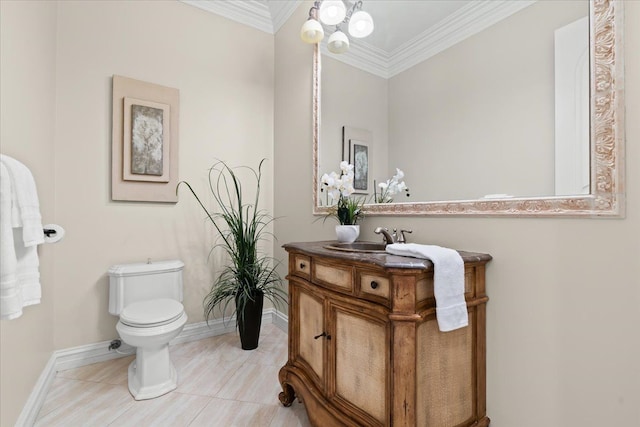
(241, 227)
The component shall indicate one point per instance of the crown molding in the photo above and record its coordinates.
(264, 15)
(367, 58)
(270, 15)
(253, 13)
(281, 11)
(460, 25)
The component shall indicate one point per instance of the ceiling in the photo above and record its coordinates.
(406, 31)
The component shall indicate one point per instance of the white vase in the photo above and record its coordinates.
(347, 233)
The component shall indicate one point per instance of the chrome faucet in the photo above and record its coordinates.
(392, 238)
(388, 238)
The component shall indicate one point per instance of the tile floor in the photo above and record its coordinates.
(219, 385)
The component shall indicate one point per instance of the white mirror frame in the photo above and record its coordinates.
(607, 197)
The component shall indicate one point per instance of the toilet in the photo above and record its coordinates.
(147, 297)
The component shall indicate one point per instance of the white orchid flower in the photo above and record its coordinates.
(348, 191)
(334, 194)
(399, 175)
(346, 167)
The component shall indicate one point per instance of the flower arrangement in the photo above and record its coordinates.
(390, 188)
(346, 209)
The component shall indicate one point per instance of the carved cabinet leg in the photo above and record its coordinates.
(287, 396)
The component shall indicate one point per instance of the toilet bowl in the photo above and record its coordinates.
(151, 374)
(147, 299)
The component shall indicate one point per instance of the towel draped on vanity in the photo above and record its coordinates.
(20, 234)
(448, 281)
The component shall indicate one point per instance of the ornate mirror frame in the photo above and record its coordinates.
(607, 197)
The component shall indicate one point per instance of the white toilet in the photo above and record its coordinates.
(147, 297)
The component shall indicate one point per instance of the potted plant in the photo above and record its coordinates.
(343, 206)
(249, 276)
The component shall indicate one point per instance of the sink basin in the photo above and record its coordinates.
(358, 247)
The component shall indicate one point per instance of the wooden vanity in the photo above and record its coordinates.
(364, 344)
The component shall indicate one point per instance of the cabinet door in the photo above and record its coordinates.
(310, 318)
(360, 363)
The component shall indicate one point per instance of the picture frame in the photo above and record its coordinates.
(360, 158)
(359, 142)
(144, 165)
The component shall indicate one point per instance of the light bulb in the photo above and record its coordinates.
(338, 42)
(332, 12)
(360, 24)
(311, 31)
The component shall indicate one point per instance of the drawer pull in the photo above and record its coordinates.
(303, 266)
(324, 334)
(374, 284)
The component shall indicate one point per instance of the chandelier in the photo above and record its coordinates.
(336, 13)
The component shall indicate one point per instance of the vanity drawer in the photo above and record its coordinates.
(301, 265)
(336, 276)
(372, 284)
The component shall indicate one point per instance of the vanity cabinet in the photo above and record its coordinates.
(364, 343)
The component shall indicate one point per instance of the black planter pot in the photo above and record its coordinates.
(250, 320)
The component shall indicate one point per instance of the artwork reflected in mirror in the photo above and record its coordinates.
(360, 160)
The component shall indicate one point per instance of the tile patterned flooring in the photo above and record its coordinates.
(219, 384)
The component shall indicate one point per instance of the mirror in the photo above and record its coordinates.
(504, 164)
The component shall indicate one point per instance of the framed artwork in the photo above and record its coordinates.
(144, 141)
(146, 149)
(357, 149)
(359, 155)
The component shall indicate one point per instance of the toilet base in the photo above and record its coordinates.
(154, 376)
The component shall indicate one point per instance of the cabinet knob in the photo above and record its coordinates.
(374, 284)
(302, 266)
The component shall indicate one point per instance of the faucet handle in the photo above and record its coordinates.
(402, 238)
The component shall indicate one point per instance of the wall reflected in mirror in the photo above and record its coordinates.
(502, 112)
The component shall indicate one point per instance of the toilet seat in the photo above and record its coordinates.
(152, 313)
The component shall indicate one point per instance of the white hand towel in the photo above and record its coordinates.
(10, 295)
(20, 233)
(448, 281)
(25, 204)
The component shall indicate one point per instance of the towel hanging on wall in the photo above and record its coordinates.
(20, 234)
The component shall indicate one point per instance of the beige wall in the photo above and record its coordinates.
(27, 128)
(565, 293)
(57, 62)
(224, 72)
(358, 99)
(481, 113)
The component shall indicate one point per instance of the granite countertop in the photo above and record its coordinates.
(378, 258)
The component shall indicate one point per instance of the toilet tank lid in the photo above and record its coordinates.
(145, 268)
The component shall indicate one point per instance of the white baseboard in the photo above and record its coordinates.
(36, 399)
(75, 357)
(281, 320)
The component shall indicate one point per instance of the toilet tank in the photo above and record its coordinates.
(129, 283)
